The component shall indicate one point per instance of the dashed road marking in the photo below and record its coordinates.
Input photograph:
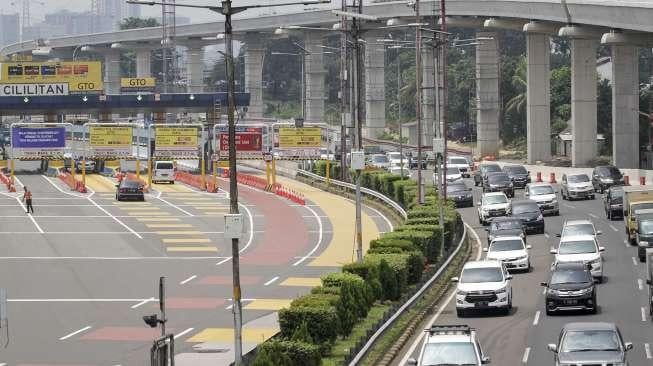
(593, 215)
(180, 334)
(537, 318)
(271, 281)
(142, 303)
(640, 284)
(186, 240)
(634, 261)
(75, 333)
(188, 280)
(527, 352)
(643, 314)
(192, 249)
(613, 228)
(546, 235)
(647, 350)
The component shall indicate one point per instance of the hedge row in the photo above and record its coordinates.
(394, 262)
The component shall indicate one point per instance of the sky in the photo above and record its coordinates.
(40, 7)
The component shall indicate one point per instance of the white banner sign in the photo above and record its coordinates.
(22, 90)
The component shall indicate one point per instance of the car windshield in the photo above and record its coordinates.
(506, 225)
(504, 245)
(493, 200)
(646, 227)
(491, 168)
(451, 188)
(449, 353)
(540, 190)
(479, 275)
(164, 165)
(130, 184)
(641, 206)
(590, 340)
(570, 276)
(453, 171)
(580, 178)
(524, 208)
(578, 229)
(380, 159)
(577, 247)
(458, 161)
(609, 172)
(394, 155)
(498, 178)
(517, 170)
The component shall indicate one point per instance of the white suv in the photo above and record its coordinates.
(483, 285)
(493, 204)
(450, 345)
(461, 163)
(545, 196)
(581, 248)
(512, 251)
(579, 227)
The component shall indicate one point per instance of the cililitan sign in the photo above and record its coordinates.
(298, 142)
(249, 142)
(81, 77)
(111, 141)
(176, 142)
(28, 90)
(38, 142)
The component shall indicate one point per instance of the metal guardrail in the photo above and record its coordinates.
(370, 342)
(367, 191)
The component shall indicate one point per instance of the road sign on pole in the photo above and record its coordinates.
(250, 141)
(297, 142)
(32, 141)
(112, 141)
(177, 142)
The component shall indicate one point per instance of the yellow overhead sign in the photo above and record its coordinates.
(110, 136)
(176, 137)
(83, 76)
(137, 83)
(303, 137)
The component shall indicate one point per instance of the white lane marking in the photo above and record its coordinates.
(527, 352)
(30, 216)
(319, 238)
(115, 218)
(251, 233)
(442, 306)
(569, 206)
(643, 314)
(184, 332)
(64, 192)
(175, 206)
(18, 181)
(79, 300)
(271, 281)
(188, 280)
(75, 333)
(593, 215)
(378, 214)
(537, 318)
(111, 258)
(626, 242)
(142, 303)
(634, 261)
(640, 284)
(223, 261)
(647, 350)
(613, 228)
(544, 291)
(546, 235)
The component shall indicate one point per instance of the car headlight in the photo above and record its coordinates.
(501, 290)
(555, 201)
(540, 217)
(583, 291)
(461, 293)
(643, 243)
(522, 257)
(606, 180)
(553, 292)
(511, 184)
(595, 262)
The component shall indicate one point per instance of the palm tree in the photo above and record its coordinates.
(517, 104)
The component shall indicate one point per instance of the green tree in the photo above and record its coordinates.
(346, 308)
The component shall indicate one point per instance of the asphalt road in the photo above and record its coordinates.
(520, 338)
(82, 271)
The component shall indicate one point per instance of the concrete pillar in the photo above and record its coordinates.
(538, 88)
(487, 91)
(374, 86)
(625, 107)
(143, 63)
(583, 101)
(314, 74)
(428, 95)
(255, 51)
(195, 70)
(111, 72)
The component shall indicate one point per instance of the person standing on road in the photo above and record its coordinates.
(27, 198)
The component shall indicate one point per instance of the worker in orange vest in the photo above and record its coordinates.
(27, 198)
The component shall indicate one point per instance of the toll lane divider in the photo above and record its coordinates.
(278, 189)
(7, 181)
(72, 183)
(132, 176)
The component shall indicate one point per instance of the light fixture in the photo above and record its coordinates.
(191, 97)
(26, 99)
(85, 99)
(116, 45)
(139, 97)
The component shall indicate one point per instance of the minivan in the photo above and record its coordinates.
(164, 171)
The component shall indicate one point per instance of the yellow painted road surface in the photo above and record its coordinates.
(227, 335)
(301, 282)
(341, 212)
(99, 183)
(172, 188)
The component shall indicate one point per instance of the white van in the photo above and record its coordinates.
(164, 171)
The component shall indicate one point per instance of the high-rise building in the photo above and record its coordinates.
(9, 28)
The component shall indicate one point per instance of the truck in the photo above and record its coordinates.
(635, 199)
(644, 232)
(649, 279)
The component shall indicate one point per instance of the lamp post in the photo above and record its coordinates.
(227, 10)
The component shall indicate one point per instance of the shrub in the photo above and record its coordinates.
(399, 268)
(427, 220)
(388, 186)
(427, 242)
(388, 280)
(323, 322)
(316, 300)
(271, 357)
(346, 308)
(384, 241)
(369, 272)
(320, 168)
(290, 353)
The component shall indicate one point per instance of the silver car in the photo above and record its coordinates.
(590, 344)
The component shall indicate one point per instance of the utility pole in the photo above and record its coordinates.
(444, 102)
(343, 94)
(418, 101)
(358, 88)
(401, 137)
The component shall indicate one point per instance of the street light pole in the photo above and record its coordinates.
(418, 101)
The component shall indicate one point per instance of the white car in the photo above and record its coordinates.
(581, 248)
(395, 158)
(380, 161)
(461, 163)
(576, 186)
(512, 251)
(483, 285)
(493, 204)
(164, 171)
(450, 345)
(579, 227)
(453, 174)
(545, 196)
(398, 170)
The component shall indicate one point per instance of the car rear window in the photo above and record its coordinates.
(130, 184)
(164, 166)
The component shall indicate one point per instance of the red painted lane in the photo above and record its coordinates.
(123, 334)
(227, 280)
(286, 234)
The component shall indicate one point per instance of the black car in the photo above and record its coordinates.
(129, 190)
(460, 194)
(481, 174)
(499, 182)
(519, 176)
(529, 213)
(413, 162)
(571, 287)
(613, 202)
(606, 176)
(505, 226)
